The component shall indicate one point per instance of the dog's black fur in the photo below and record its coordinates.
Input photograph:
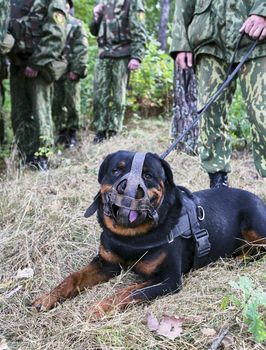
(234, 219)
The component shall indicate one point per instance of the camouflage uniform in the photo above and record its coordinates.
(121, 36)
(40, 36)
(66, 99)
(210, 29)
(5, 47)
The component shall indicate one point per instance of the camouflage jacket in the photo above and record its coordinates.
(212, 27)
(40, 33)
(6, 40)
(4, 16)
(76, 47)
(121, 31)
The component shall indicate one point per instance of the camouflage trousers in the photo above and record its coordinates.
(30, 112)
(109, 102)
(2, 116)
(66, 104)
(3, 75)
(215, 150)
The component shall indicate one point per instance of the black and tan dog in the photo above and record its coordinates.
(159, 230)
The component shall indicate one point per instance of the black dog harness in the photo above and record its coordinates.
(187, 226)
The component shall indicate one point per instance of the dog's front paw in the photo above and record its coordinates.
(45, 302)
(118, 302)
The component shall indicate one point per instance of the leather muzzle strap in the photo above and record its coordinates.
(134, 177)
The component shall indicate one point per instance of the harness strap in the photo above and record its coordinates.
(187, 227)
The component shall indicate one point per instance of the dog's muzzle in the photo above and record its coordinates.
(128, 202)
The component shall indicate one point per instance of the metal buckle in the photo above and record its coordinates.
(203, 244)
(201, 213)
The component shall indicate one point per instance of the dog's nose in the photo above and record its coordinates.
(125, 188)
(140, 193)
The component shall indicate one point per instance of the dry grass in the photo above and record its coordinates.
(42, 227)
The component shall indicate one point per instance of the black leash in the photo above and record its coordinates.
(227, 81)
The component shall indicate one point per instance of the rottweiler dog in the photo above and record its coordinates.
(159, 230)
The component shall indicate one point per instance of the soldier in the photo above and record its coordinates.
(6, 44)
(66, 100)
(206, 33)
(39, 29)
(121, 36)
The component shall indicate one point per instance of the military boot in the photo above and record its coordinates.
(37, 162)
(99, 137)
(218, 179)
(72, 139)
(62, 137)
(112, 133)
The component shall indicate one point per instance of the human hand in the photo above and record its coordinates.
(184, 59)
(133, 64)
(98, 11)
(255, 27)
(30, 72)
(73, 76)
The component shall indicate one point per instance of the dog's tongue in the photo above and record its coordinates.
(133, 215)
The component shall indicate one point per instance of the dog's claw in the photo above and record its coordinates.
(38, 307)
(44, 303)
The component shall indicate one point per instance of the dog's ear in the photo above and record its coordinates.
(168, 171)
(103, 167)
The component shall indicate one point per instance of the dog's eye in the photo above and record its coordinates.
(115, 172)
(147, 176)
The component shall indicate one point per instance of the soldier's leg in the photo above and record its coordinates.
(40, 98)
(24, 123)
(72, 92)
(59, 113)
(118, 106)
(253, 84)
(2, 116)
(214, 142)
(102, 90)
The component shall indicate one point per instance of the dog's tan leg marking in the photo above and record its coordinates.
(147, 268)
(109, 256)
(117, 301)
(254, 242)
(86, 277)
(253, 237)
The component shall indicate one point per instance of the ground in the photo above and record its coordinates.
(43, 228)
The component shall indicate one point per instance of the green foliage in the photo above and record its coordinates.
(239, 125)
(150, 88)
(152, 84)
(46, 149)
(250, 302)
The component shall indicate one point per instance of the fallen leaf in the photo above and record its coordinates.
(8, 295)
(3, 344)
(25, 273)
(170, 326)
(228, 342)
(152, 321)
(209, 332)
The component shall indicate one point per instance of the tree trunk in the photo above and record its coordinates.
(164, 15)
(185, 109)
